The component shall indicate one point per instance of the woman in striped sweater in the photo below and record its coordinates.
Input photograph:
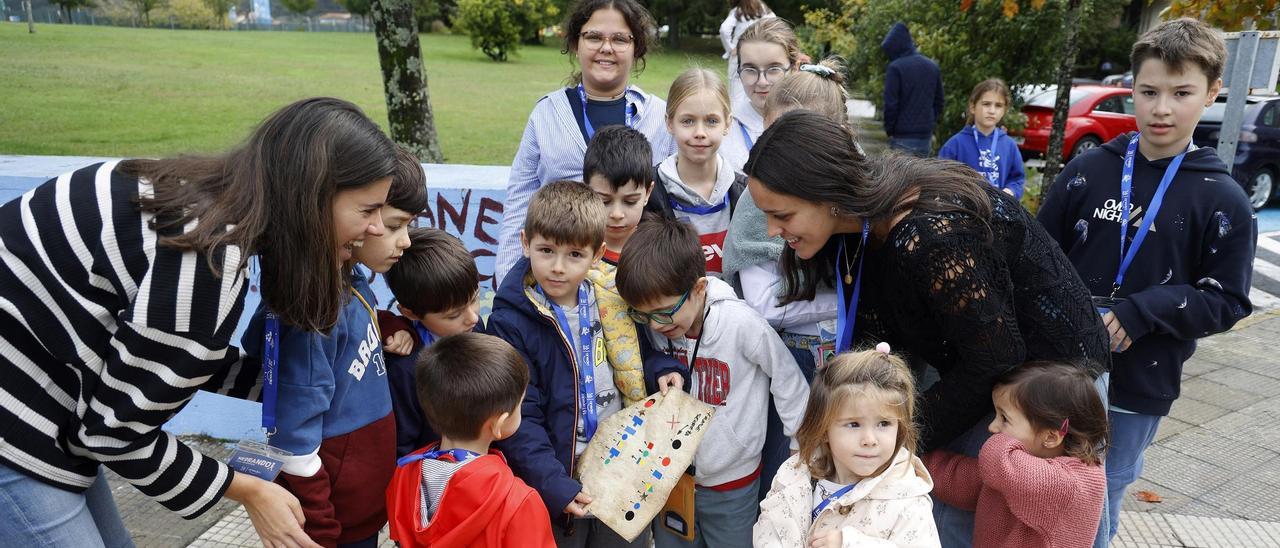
(120, 287)
(609, 39)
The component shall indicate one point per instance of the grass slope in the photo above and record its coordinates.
(110, 91)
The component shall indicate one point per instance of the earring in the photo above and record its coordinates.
(835, 211)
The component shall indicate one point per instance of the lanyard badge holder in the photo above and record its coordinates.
(586, 356)
(627, 110)
(1105, 304)
(846, 318)
(255, 458)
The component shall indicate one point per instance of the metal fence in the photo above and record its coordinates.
(50, 15)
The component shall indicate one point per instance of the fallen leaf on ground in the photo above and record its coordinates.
(1148, 496)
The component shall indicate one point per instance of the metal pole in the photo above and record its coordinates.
(1242, 69)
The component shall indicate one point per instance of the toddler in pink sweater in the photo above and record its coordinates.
(1038, 480)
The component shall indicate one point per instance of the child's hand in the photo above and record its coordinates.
(669, 381)
(832, 539)
(1120, 340)
(578, 506)
(400, 344)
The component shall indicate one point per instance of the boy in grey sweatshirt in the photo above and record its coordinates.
(736, 361)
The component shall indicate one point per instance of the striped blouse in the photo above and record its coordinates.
(552, 149)
(105, 335)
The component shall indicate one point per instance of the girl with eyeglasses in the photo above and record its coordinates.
(767, 51)
(742, 14)
(608, 39)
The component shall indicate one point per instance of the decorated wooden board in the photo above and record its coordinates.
(636, 457)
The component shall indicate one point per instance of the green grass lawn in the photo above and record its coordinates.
(109, 91)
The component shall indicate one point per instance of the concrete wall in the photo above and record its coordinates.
(465, 200)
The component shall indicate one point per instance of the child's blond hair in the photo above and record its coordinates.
(693, 81)
(819, 88)
(567, 213)
(869, 373)
(773, 30)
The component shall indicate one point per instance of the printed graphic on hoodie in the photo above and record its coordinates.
(368, 352)
(990, 163)
(710, 377)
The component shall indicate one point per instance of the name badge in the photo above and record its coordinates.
(1105, 304)
(258, 459)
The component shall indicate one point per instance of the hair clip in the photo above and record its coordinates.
(820, 70)
(1066, 423)
(883, 348)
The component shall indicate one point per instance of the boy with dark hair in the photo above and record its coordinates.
(435, 283)
(619, 168)
(547, 310)
(332, 410)
(459, 492)
(737, 361)
(1157, 192)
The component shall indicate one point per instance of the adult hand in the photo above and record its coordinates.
(669, 381)
(1120, 340)
(578, 506)
(832, 539)
(275, 513)
(400, 344)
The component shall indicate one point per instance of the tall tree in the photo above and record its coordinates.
(220, 9)
(1053, 157)
(66, 6)
(145, 7)
(409, 110)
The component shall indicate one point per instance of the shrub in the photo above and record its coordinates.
(497, 27)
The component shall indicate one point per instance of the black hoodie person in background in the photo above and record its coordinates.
(912, 93)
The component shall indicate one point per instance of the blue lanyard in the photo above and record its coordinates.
(746, 135)
(455, 455)
(1126, 192)
(586, 121)
(586, 353)
(424, 334)
(992, 177)
(270, 365)
(827, 501)
(846, 318)
(699, 210)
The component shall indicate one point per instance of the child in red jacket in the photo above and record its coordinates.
(458, 492)
(1038, 480)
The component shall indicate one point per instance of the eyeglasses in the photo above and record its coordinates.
(596, 40)
(749, 75)
(660, 317)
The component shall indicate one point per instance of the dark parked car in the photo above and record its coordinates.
(1258, 149)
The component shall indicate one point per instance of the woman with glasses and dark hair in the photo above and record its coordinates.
(609, 39)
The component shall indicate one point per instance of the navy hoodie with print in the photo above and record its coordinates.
(912, 87)
(1191, 276)
(962, 147)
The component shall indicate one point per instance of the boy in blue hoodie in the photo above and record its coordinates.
(912, 93)
(1155, 191)
(333, 408)
(547, 310)
(983, 145)
(435, 283)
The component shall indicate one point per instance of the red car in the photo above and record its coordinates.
(1097, 114)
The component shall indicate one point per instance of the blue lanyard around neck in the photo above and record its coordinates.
(586, 120)
(992, 176)
(827, 501)
(270, 369)
(746, 135)
(424, 334)
(1148, 218)
(847, 317)
(586, 356)
(453, 455)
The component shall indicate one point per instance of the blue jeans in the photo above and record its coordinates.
(918, 146)
(777, 446)
(34, 513)
(721, 518)
(955, 526)
(1130, 436)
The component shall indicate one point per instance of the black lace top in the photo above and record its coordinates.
(940, 294)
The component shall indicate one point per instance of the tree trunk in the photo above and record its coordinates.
(1053, 156)
(31, 22)
(404, 80)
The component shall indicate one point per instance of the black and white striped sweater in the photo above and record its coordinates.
(104, 336)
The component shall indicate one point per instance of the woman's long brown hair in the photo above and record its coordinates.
(809, 156)
(273, 197)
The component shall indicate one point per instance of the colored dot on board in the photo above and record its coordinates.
(630, 516)
(666, 461)
(648, 403)
(624, 436)
(675, 444)
(637, 506)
